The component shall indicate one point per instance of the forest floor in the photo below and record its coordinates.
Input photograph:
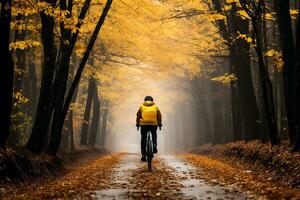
(124, 176)
(274, 170)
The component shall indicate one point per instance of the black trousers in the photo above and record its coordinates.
(144, 130)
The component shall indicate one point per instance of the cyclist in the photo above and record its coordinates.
(148, 118)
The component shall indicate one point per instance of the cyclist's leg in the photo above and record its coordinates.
(143, 139)
(154, 137)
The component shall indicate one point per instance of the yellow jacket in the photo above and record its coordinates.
(148, 114)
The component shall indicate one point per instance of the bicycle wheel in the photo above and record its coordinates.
(149, 154)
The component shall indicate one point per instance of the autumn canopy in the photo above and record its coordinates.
(77, 70)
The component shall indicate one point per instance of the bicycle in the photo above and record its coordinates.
(149, 150)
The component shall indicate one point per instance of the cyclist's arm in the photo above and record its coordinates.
(159, 118)
(138, 117)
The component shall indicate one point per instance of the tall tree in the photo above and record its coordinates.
(6, 72)
(56, 132)
(296, 146)
(95, 120)
(255, 10)
(242, 67)
(61, 78)
(282, 10)
(44, 109)
(48, 96)
(87, 111)
(104, 124)
(239, 58)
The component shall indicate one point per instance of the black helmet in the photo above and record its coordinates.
(148, 98)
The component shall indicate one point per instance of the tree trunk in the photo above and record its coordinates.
(64, 139)
(219, 131)
(6, 72)
(33, 93)
(72, 146)
(71, 128)
(217, 112)
(59, 89)
(242, 66)
(237, 117)
(20, 109)
(82, 64)
(103, 125)
(20, 59)
(296, 146)
(70, 123)
(95, 120)
(87, 112)
(263, 120)
(45, 108)
(282, 10)
(267, 88)
(196, 91)
(61, 80)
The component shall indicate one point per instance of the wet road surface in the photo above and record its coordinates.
(171, 178)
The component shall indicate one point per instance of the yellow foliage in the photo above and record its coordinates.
(232, 1)
(217, 16)
(23, 45)
(294, 12)
(269, 16)
(244, 37)
(22, 25)
(225, 79)
(19, 98)
(243, 14)
(141, 40)
(227, 7)
(162, 47)
(277, 58)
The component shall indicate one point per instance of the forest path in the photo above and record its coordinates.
(172, 178)
(124, 176)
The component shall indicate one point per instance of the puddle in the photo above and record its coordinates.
(195, 188)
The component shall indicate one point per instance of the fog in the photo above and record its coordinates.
(178, 129)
